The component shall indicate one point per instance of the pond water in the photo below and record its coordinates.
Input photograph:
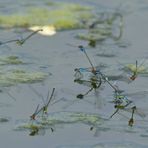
(73, 119)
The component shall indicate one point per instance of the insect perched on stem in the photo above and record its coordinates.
(44, 107)
(134, 70)
(21, 41)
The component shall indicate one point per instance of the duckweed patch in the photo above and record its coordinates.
(61, 15)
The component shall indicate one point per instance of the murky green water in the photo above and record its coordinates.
(44, 62)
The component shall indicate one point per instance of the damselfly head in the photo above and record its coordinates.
(32, 117)
(81, 48)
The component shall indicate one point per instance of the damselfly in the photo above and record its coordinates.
(21, 41)
(48, 100)
(44, 107)
(134, 70)
(122, 103)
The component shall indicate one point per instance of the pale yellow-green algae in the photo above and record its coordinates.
(142, 69)
(132, 67)
(64, 118)
(12, 77)
(61, 16)
(21, 76)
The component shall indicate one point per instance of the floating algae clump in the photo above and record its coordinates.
(61, 16)
(10, 60)
(64, 118)
(20, 76)
(132, 67)
(142, 69)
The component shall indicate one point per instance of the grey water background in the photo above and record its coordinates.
(52, 55)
